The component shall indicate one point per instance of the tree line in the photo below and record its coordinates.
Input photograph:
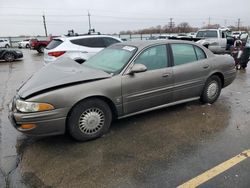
(183, 27)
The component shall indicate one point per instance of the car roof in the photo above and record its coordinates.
(147, 43)
(142, 44)
(83, 36)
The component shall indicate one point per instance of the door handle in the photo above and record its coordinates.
(165, 75)
(205, 66)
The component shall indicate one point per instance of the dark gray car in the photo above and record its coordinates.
(122, 80)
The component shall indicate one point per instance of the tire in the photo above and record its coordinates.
(27, 46)
(40, 49)
(238, 67)
(7, 46)
(212, 90)
(9, 57)
(89, 119)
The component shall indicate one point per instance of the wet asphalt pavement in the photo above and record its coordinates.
(163, 148)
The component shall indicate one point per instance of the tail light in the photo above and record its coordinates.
(56, 54)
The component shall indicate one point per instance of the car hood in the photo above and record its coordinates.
(62, 72)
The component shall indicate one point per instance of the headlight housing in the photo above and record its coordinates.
(24, 106)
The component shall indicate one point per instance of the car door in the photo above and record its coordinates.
(218, 43)
(190, 70)
(151, 88)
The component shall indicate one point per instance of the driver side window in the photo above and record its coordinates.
(154, 58)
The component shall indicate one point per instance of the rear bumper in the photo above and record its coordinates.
(229, 77)
(48, 60)
(47, 123)
(19, 56)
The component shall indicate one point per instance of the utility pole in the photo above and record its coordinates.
(209, 21)
(238, 24)
(89, 23)
(171, 24)
(45, 28)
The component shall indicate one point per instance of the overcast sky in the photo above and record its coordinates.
(24, 17)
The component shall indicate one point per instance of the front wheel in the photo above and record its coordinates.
(212, 90)
(9, 57)
(89, 119)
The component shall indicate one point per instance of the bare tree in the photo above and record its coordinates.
(184, 27)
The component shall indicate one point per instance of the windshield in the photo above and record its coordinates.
(111, 59)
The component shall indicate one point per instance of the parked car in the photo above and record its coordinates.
(192, 35)
(4, 43)
(152, 38)
(236, 34)
(24, 44)
(10, 55)
(78, 48)
(217, 40)
(122, 80)
(39, 45)
(162, 37)
(182, 35)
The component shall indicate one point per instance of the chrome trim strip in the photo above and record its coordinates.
(159, 107)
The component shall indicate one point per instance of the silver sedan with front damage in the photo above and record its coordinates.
(122, 80)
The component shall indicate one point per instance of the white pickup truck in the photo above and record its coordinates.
(217, 40)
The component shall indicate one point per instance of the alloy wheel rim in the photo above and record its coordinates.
(91, 121)
(212, 90)
(9, 57)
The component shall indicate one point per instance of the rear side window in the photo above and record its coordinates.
(90, 42)
(109, 41)
(183, 53)
(54, 43)
(1, 40)
(200, 53)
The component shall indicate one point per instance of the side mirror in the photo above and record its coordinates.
(138, 68)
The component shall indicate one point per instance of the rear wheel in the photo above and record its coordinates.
(27, 46)
(40, 49)
(211, 90)
(7, 46)
(89, 119)
(9, 57)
